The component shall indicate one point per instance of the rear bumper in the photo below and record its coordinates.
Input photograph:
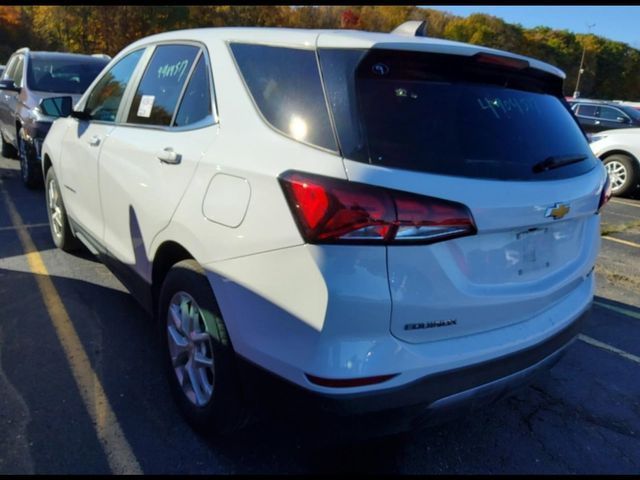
(430, 399)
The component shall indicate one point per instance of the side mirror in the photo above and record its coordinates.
(621, 120)
(9, 85)
(56, 106)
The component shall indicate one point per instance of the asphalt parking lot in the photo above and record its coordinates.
(97, 403)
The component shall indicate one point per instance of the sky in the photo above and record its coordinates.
(620, 23)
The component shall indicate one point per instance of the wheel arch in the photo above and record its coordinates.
(19, 126)
(46, 164)
(167, 255)
(618, 151)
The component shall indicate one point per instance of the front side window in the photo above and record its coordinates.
(104, 100)
(609, 113)
(286, 87)
(11, 68)
(161, 85)
(631, 112)
(18, 72)
(63, 75)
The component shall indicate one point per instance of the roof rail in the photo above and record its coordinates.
(412, 28)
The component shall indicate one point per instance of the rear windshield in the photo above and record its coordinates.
(63, 75)
(451, 115)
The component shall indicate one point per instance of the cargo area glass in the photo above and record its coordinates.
(452, 115)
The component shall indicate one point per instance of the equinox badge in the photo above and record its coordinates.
(559, 210)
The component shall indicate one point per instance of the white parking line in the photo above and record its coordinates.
(623, 215)
(609, 348)
(622, 202)
(623, 311)
(31, 225)
(619, 240)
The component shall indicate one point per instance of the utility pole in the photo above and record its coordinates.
(576, 93)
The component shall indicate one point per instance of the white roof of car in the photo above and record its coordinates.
(308, 38)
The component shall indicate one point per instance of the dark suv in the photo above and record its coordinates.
(597, 115)
(30, 77)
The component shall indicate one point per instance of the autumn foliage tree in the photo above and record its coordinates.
(348, 19)
(611, 68)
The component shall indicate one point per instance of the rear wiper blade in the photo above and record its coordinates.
(550, 163)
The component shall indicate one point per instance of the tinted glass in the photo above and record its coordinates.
(105, 98)
(161, 85)
(631, 112)
(196, 102)
(450, 115)
(609, 113)
(587, 110)
(62, 75)
(286, 87)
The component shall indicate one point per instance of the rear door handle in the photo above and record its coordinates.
(597, 122)
(169, 156)
(94, 141)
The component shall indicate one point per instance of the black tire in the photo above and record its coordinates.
(630, 171)
(225, 411)
(30, 172)
(64, 240)
(8, 150)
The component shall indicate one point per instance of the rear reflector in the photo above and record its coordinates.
(605, 195)
(329, 210)
(349, 382)
(502, 61)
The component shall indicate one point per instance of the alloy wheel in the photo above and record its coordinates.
(55, 208)
(190, 348)
(617, 173)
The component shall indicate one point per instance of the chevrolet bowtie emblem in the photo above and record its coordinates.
(559, 210)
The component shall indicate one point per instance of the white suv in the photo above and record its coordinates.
(380, 220)
(619, 151)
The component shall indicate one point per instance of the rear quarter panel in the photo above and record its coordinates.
(627, 143)
(245, 148)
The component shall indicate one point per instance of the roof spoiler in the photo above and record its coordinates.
(413, 28)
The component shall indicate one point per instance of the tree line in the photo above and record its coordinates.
(611, 69)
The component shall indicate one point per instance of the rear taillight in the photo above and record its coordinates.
(329, 210)
(349, 382)
(605, 195)
(509, 62)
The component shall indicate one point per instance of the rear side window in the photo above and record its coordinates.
(196, 103)
(285, 86)
(161, 85)
(587, 110)
(104, 100)
(451, 115)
